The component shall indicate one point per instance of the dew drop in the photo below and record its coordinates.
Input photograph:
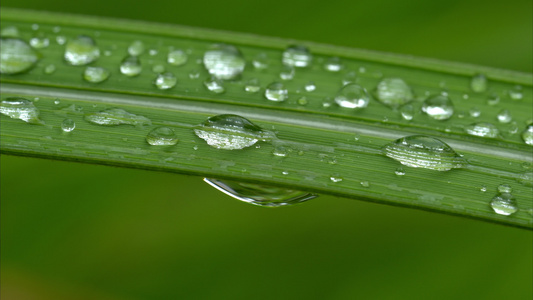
(438, 107)
(333, 64)
(474, 112)
(152, 52)
(365, 183)
(349, 77)
(310, 86)
(252, 85)
(158, 68)
(260, 61)
(68, 125)
(527, 134)
(399, 172)
(407, 111)
(61, 40)
(10, 32)
(16, 56)
(287, 73)
(214, 85)
(483, 188)
(493, 100)
(194, 74)
(224, 61)
(95, 74)
(258, 194)
(424, 152)
(39, 42)
(280, 151)
(131, 66)
(136, 48)
(20, 108)
(505, 188)
(482, 129)
(302, 101)
(336, 178)
(504, 116)
(116, 116)
(276, 91)
(81, 50)
(165, 81)
(297, 56)
(49, 69)
(479, 83)
(504, 204)
(393, 92)
(162, 136)
(177, 57)
(352, 96)
(516, 93)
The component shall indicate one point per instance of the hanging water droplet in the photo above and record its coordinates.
(116, 116)
(276, 91)
(393, 92)
(407, 111)
(482, 129)
(505, 188)
(260, 61)
(214, 85)
(516, 93)
(399, 171)
(177, 57)
(424, 152)
(349, 77)
(493, 100)
(287, 73)
(333, 64)
(479, 83)
(224, 61)
(162, 136)
(438, 107)
(95, 74)
(20, 108)
(81, 50)
(10, 31)
(336, 178)
(68, 125)
(16, 56)
(136, 48)
(258, 194)
(165, 81)
(49, 69)
(39, 41)
(231, 132)
(504, 116)
(527, 134)
(474, 112)
(504, 204)
(310, 86)
(131, 66)
(297, 56)
(252, 85)
(352, 96)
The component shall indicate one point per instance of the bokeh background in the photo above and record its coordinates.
(75, 231)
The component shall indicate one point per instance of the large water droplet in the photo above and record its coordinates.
(68, 125)
(527, 134)
(479, 83)
(297, 56)
(352, 96)
(258, 194)
(424, 152)
(438, 107)
(482, 129)
(162, 136)
(224, 61)
(131, 66)
(136, 48)
(177, 57)
(231, 132)
(165, 81)
(95, 74)
(81, 50)
(276, 91)
(20, 108)
(116, 116)
(16, 56)
(215, 85)
(10, 31)
(393, 92)
(504, 204)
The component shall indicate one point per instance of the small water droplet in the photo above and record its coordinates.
(39, 41)
(474, 112)
(513, 129)
(20, 108)
(399, 171)
(493, 100)
(505, 188)
(276, 91)
(479, 83)
(302, 100)
(35, 26)
(162, 136)
(424, 152)
(287, 73)
(504, 204)
(61, 39)
(352, 96)
(57, 101)
(252, 85)
(224, 61)
(297, 56)
(333, 64)
(336, 178)
(131, 66)
(504, 116)
(56, 29)
(152, 52)
(365, 183)
(158, 68)
(280, 151)
(136, 48)
(177, 57)
(81, 50)
(516, 93)
(483, 188)
(482, 129)
(116, 116)
(165, 81)
(231, 132)
(407, 111)
(68, 125)
(349, 77)
(194, 74)
(260, 61)
(214, 85)
(49, 69)
(16, 56)
(310, 86)
(95, 74)
(10, 32)
(285, 172)
(258, 194)
(393, 92)
(527, 134)
(438, 107)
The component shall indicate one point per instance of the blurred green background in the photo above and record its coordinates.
(75, 231)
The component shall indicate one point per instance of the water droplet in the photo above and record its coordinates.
(214, 85)
(482, 129)
(231, 132)
(527, 134)
(365, 183)
(516, 93)
(474, 112)
(287, 73)
(424, 152)
(493, 100)
(158, 68)
(57, 101)
(438, 107)
(302, 101)
(16, 56)
(252, 85)
(116, 116)
(10, 31)
(504, 116)
(336, 178)
(136, 48)
(224, 61)
(399, 172)
(177, 57)
(152, 52)
(165, 81)
(49, 69)
(68, 125)
(479, 83)
(310, 86)
(162, 136)
(20, 108)
(393, 92)
(505, 188)
(95, 74)
(297, 56)
(504, 204)
(260, 61)
(61, 40)
(276, 91)
(407, 111)
(352, 96)
(280, 151)
(56, 29)
(333, 64)
(483, 188)
(35, 26)
(258, 194)
(81, 51)
(349, 77)
(131, 66)
(40, 41)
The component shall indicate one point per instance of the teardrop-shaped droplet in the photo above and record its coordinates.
(258, 194)
(116, 116)
(527, 134)
(352, 96)
(231, 132)
(424, 152)
(95, 74)
(215, 85)
(483, 129)
(504, 204)
(165, 81)
(177, 57)
(16, 56)
(276, 91)
(68, 125)
(136, 48)
(81, 50)
(162, 136)
(479, 83)
(393, 92)
(224, 61)
(20, 108)
(333, 64)
(297, 56)
(131, 66)
(438, 107)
